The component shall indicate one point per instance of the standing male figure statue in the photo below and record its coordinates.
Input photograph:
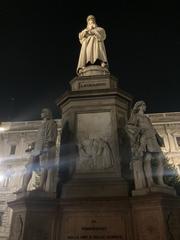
(43, 155)
(145, 147)
(92, 50)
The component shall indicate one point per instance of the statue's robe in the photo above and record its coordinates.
(92, 48)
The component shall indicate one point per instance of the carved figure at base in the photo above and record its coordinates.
(43, 155)
(92, 50)
(95, 153)
(145, 147)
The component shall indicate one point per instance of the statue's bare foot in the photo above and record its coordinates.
(152, 184)
(81, 70)
(39, 189)
(103, 64)
(162, 184)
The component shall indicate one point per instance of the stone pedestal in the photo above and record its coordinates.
(92, 114)
(95, 202)
(151, 217)
(95, 219)
(93, 83)
(155, 189)
(156, 216)
(94, 70)
(33, 216)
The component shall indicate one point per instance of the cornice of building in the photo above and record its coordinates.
(24, 126)
(165, 118)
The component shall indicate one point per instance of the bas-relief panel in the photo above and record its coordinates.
(94, 136)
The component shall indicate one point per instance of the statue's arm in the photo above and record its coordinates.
(99, 33)
(159, 138)
(132, 128)
(83, 35)
(51, 135)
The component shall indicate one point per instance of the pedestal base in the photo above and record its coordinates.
(151, 217)
(156, 217)
(95, 219)
(96, 82)
(155, 189)
(94, 189)
(33, 216)
(93, 70)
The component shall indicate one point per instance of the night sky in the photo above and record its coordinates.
(39, 50)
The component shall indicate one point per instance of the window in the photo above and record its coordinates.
(30, 147)
(13, 149)
(160, 140)
(178, 141)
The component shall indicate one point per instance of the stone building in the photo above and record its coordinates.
(168, 126)
(16, 137)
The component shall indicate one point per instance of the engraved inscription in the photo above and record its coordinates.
(91, 84)
(103, 227)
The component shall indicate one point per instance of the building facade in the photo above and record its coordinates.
(16, 138)
(168, 127)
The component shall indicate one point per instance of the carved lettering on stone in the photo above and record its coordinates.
(92, 226)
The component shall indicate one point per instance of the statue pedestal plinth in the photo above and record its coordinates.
(94, 188)
(94, 70)
(97, 82)
(155, 189)
(156, 217)
(100, 218)
(33, 216)
(93, 113)
(94, 200)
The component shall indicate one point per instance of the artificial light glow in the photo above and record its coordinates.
(2, 129)
(1, 178)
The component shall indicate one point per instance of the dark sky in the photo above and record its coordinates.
(39, 50)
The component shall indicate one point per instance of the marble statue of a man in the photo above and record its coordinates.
(145, 147)
(92, 50)
(43, 155)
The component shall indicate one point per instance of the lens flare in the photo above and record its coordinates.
(2, 129)
(1, 178)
